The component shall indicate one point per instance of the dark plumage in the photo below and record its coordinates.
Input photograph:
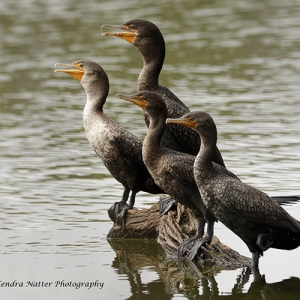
(119, 150)
(171, 170)
(251, 214)
(148, 40)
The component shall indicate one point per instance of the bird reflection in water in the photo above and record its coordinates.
(188, 279)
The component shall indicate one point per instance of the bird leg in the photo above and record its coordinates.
(201, 241)
(255, 259)
(123, 211)
(165, 205)
(257, 277)
(264, 241)
(118, 210)
(193, 241)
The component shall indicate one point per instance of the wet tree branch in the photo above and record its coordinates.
(171, 230)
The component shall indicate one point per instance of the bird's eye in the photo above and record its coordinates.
(131, 26)
(80, 65)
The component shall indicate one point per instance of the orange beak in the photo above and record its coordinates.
(137, 100)
(77, 71)
(182, 121)
(128, 35)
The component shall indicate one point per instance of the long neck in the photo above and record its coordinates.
(203, 162)
(96, 94)
(151, 144)
(153, 59)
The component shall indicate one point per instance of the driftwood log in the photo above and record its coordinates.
(172, 229)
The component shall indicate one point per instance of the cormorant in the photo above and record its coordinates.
(119, 150)
(172, 171)
(149, 41)
(251, 214)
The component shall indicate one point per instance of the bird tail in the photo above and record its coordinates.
(286, 199)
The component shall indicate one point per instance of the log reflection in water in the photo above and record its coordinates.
(171, 230)
(135, 257)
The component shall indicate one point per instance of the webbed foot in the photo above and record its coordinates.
(112, 212)
(165, 205)
(192, 246)
(196, 248)
(264, 241)
(117, 213)
(121, 217)
(185, 246)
